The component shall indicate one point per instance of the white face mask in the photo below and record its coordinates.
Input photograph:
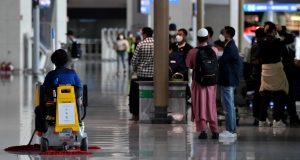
(130, 35)
(121, 37)
(172, 33)
(179, 38)
(222, 38)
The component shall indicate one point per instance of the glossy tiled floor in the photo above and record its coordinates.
(107, 125)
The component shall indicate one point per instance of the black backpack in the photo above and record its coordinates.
(76, 50)
(206, 72)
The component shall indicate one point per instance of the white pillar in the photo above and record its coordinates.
(234, 19)
(60, 22)
(270, 13)
(36, 38)
(129, 12)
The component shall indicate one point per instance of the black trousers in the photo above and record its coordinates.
(134, 95)
(130, 55)
(256, 99)
(278, 108)
(289, 100)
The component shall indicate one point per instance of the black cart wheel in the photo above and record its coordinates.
(219, 123)
(44, 145)
(84, 144)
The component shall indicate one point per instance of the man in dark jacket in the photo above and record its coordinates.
(181, 47)
(289, 67)
(256, 62)
(229, 73)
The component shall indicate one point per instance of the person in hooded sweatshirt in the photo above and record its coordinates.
(273, 78)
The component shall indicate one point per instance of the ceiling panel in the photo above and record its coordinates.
(97, 3)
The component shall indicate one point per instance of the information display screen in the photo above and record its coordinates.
(144, 7)
(45, 3)
(170, 1)
(271, 7)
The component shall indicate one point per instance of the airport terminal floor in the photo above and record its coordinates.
(108, 126)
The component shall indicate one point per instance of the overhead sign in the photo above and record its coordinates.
(170, 1)
(145, 6)
(271, 7)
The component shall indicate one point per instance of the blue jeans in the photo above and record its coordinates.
(121, 54)
(227, 98)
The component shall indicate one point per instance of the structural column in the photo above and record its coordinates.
(36, 44)
(271, 13)
(234, 19)
(129, 14)
(241, 25)
(200, 15)
(161, 59)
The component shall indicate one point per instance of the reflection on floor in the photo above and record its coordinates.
(108, 126)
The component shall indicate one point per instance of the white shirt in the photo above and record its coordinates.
(122, 45)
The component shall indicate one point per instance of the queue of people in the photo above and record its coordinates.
(273, 64)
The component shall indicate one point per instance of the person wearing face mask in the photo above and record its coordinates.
(273, 77)
(219, 44)
(130, 51)
(172, 33)
(229, 73)
(143, 66)
(178, 52)
(138, 37)
(121, 47)
(210, 34)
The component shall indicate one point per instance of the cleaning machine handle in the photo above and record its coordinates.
(84, 100)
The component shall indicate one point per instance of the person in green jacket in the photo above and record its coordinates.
(131, 47)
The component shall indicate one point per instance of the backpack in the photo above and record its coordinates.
(177, 61)
(76, 50)
(206, 72)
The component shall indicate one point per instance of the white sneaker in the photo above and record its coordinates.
(227, 141)
(278, 124)
(278, 130)
(227, 134)
(263, 124)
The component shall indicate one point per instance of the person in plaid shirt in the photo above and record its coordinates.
(142, 63)
(142, 60)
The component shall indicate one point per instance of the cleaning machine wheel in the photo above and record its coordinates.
(84, 144)
(44, 145)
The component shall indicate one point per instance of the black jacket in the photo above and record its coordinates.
(229, 66)
(184, 49)
(255, 55)
(288, 62)
(271, 48)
